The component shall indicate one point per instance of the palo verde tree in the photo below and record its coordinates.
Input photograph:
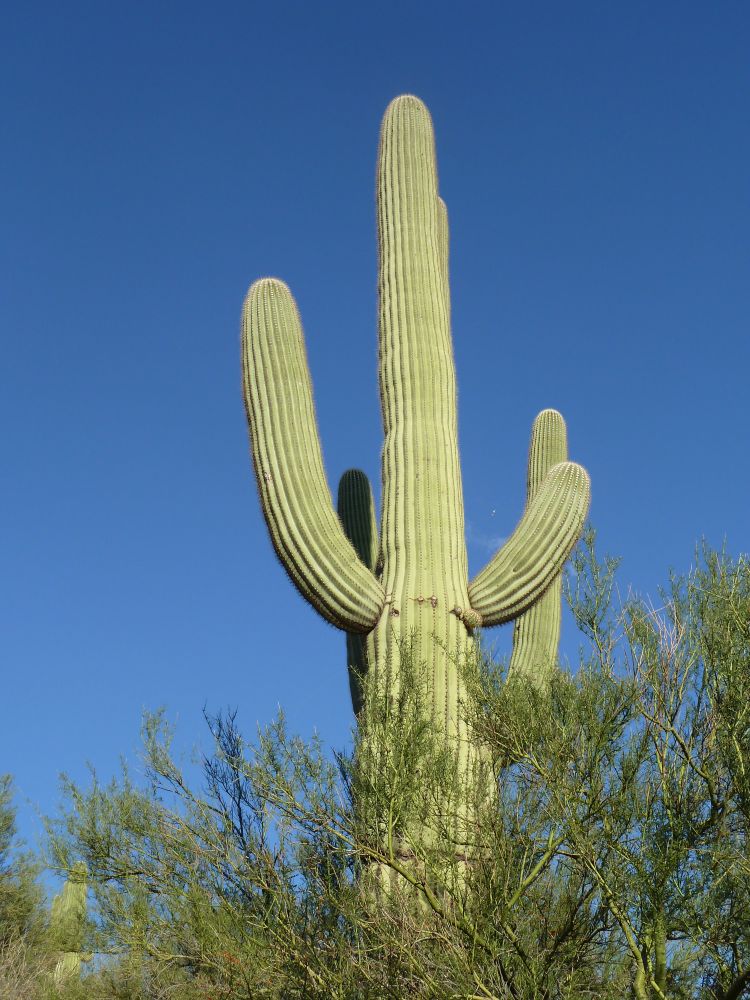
(614, 861)
(407, 583)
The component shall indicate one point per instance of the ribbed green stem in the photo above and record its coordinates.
(422, 529)
(67, 920)
(425, 572)
(536, 633)
(294, 495)
(356, 510)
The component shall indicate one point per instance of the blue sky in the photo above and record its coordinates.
(159, 157)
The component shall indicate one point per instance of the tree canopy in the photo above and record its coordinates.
(613, 860)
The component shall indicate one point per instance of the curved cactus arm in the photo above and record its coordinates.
(294, 495)
(356, 509)
(536, 633)
(520, 572)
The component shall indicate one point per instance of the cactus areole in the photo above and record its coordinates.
(409, 580)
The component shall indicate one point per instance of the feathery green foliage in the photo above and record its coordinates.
(39, 947)
(613, 860)
(20, 896)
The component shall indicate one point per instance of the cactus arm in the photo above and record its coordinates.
(536, 633)
(295, 499)
(521, 571)
(356, 510)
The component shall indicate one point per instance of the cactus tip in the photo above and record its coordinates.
(409, 110)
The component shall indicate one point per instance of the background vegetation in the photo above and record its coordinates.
(613, 862)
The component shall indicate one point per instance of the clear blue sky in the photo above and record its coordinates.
(158, 157)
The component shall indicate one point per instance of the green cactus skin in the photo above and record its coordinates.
(67, 918)
(419, 590)
(536, 633)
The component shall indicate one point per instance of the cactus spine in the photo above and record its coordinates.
(413, 585)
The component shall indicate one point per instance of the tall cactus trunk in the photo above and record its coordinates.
(425, 570)
(412, 589)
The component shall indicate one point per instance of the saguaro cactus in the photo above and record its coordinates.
(410, 579)
(67, 919)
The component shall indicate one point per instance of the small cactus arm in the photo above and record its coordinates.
(67, 920)
(418, 589)
(536, 632)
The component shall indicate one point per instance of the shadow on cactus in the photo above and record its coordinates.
(406, 581)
